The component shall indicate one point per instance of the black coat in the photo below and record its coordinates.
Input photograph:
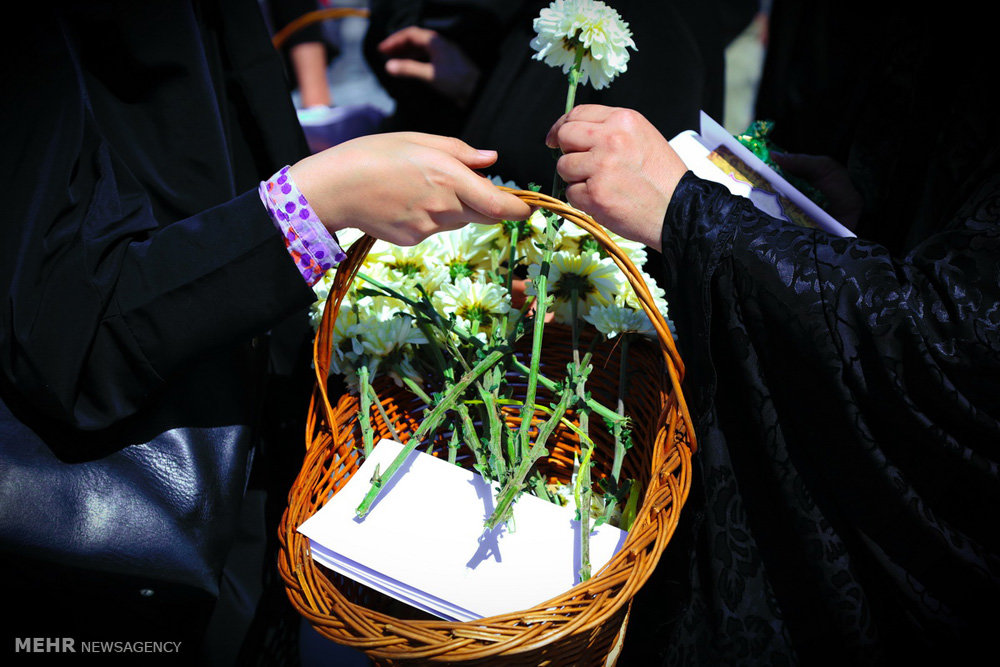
(138, 269)
(846, 493)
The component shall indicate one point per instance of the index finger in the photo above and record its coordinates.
(453, 146)
(485, 202)
(590, 113)
(411, 35)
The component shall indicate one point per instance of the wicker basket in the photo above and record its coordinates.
(585, 625)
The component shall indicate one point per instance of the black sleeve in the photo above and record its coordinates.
(930, 314)
(104, 302)
(845, 407)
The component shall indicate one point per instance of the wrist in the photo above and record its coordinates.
(310, 245)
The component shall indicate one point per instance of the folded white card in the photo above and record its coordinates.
(696, 149)
(423, 541)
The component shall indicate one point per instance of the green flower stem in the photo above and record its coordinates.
(496, 424)
(509, 493)
(551, 385)
(616, 466)
(412, 385)
(468, 426)
(574, 80)
(541, 490)
(581, 493)
(541, 307)
(491, 405)
(367, 434)
(443, 365)
(423, 307)
(583, 476)
(511, 260)
(453, 447)
(426, 427)
(631, 507)
(472, 438)
(434, 319)
(381, 410)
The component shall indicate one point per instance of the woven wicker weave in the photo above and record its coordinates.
(585, 625)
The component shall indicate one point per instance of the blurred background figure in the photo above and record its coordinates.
(465, 68)
(335, 94)
(307, 52)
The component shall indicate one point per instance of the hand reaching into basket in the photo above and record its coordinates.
(618, 168)
(403, 187)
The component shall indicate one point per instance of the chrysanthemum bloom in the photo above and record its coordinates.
(387, 338)
(476, 305)
(567, 24)
(659, 300)
(619, 318)
(577, 240)
(530, 235)
(464, 252)
(344, 339)
(404, 268)
(593, 281)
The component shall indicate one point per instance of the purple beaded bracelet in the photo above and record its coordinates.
(313, 248)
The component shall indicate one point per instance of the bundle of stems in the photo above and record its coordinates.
(504, 455)
(476, 394)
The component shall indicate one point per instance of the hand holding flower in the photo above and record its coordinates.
(618, 168)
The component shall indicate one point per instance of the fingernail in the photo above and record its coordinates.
(486, 153)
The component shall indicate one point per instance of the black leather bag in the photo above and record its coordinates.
(130, 527)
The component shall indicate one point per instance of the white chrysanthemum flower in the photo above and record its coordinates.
(578, 240)
(575, 239)
(379, 337)
(619, 318)
(605, 37)
(385, 331)
(403, 269)
(463, 252)
(594, 280)
(659, 296)
(344, 338)
(530, 236)
(376, 274)
(635, 250)
(473, 301)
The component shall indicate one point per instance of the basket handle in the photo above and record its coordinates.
(348, 269)
(315, 16)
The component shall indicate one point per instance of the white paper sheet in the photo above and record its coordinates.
(694, 147)
(423, 541)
